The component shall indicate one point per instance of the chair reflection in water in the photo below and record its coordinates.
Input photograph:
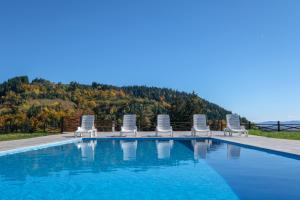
(200, 148)
(129, 149)
(233, 151)
(87, 150)
(164, 148)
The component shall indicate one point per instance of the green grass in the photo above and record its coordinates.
(274, 134)
(17, 136)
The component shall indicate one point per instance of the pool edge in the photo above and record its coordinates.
(37, 147)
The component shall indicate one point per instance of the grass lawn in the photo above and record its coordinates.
(274, 134)
(17, 136)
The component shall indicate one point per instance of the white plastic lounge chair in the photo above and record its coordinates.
(164, 148)
(129, 124)
(234, 125)
(163, 125)
(129, 149)
(87, 126)
(200, 125)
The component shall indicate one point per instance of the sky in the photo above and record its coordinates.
(241, 54)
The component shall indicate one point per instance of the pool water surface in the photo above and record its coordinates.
(149, 169)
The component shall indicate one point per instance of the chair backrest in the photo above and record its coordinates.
(87, 122)
(199, 121)
(163, 122)
(233, 121)
(129, 122)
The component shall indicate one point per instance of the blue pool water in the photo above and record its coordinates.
(149, 169)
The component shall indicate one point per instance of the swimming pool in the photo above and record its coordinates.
(149, 169)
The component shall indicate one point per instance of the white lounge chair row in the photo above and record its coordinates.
(164, 125)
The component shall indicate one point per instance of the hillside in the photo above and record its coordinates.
(28, 106)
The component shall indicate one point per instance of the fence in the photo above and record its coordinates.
(278, 126)
(216, 125)
(27, 126)
(70, 124)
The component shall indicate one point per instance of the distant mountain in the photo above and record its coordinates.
(281, 122)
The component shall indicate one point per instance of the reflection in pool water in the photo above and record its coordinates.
(129, 149)
(164, 148)
(200, 148)
(233, 151)
(87, 150)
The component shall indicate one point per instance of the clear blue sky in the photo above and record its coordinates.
(241, 54)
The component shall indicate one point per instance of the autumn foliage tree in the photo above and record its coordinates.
(37, 105)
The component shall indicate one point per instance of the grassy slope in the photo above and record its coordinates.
(274, 134)
(17, 136)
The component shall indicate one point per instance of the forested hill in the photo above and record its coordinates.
(25, 103)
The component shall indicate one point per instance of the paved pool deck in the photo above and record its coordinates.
(282, 145)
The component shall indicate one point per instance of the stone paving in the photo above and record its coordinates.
(287, 146)
(15, 144)
(282, 145)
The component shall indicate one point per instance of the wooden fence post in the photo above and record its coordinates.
(44, 126)
(140, 125)
(62, 125)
